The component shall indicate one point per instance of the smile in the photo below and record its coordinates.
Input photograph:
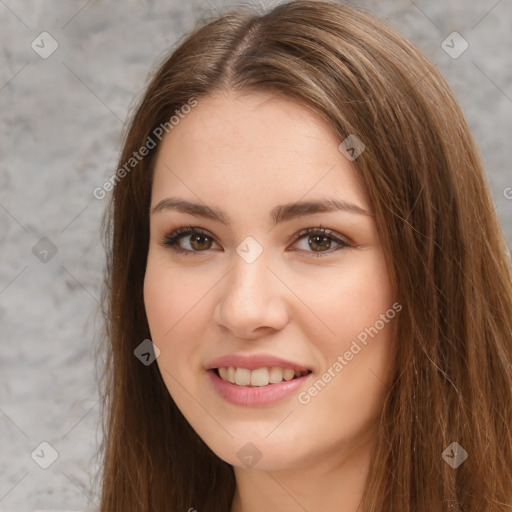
(243, 392)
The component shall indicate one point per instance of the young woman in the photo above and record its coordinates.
(300, 224)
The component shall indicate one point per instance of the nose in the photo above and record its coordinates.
(252, 301)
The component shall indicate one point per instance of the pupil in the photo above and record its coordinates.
(319, 242)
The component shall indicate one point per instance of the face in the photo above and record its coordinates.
(264, 257)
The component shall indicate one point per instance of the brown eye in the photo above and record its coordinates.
(319, 241)
(189, 241)
(200, 242)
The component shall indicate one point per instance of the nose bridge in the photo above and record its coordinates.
(251, 298)
(249, 280)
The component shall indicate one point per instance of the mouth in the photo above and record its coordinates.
(256, 380)
(259, 387)
(260, 377)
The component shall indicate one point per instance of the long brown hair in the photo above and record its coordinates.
(446, 255)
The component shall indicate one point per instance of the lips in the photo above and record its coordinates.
(256, 396)
(256, 379)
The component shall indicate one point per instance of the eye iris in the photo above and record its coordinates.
(319, 242)
(200, 242)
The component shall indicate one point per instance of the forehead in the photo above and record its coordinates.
(260, 145)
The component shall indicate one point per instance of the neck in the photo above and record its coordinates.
(331, 483)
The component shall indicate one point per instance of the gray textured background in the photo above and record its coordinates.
(61, 122)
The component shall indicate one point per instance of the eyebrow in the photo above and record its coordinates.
(281, 213)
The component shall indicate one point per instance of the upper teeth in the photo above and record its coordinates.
(259, 377)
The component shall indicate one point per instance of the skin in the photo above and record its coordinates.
(245, 155)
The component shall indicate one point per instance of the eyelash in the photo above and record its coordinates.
(171, 240)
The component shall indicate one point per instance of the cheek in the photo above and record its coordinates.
(348, 300)
(357, 306)
(173, 309)
(169, 298)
